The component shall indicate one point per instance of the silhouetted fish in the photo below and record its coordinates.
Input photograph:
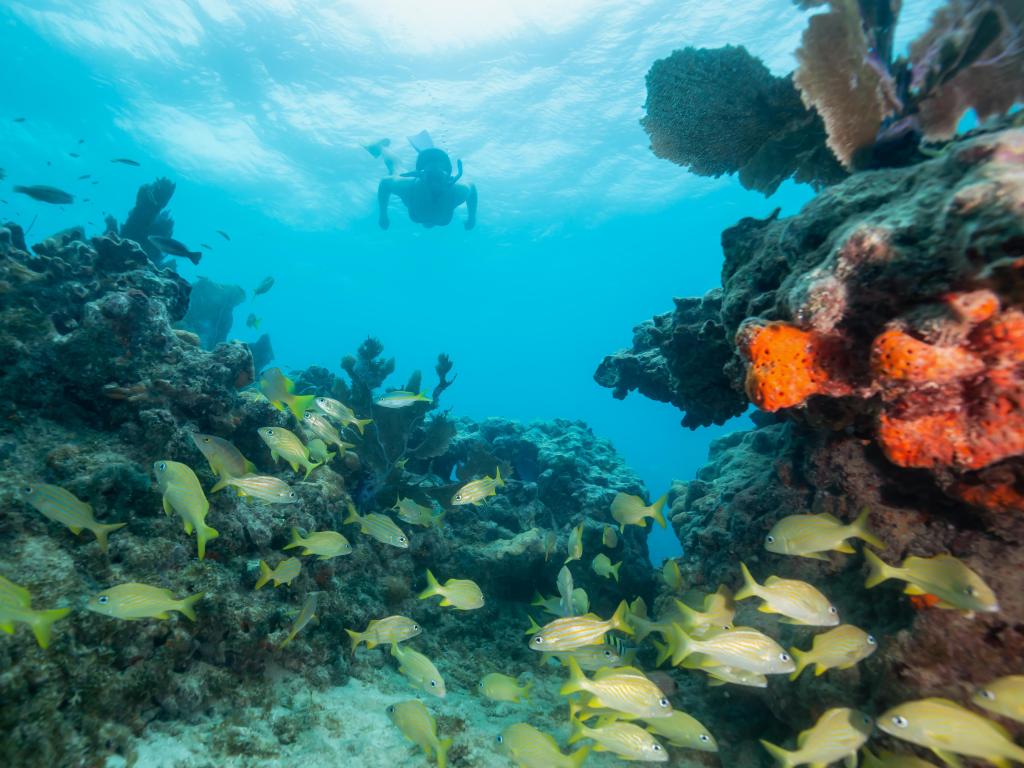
(19, 119)
(46, 194)
(207, 247)
(265, 285)
(81, 141)
(174, 247)
(125, 161)
(223, 234)
(84, 176)
(73, 154)
(3, 174)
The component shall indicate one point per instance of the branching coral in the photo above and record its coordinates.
(721, 111)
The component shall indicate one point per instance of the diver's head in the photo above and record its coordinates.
(434, 167)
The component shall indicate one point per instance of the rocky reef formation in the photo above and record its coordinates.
(99, 386)
(880, 332)
(211, 311)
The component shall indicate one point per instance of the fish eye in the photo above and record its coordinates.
(871, 640)
(663, 703)
(727, 627)
(769, 540)
(986, 694)
(206, 439)
(784, 657)
(969, 591)
(832, 610)
(27, 489)
(458, 497)
(867, 720)
(162, 466)
(607, 653)
(103, 599)
(433, 683)
(415, 627)
(538, 640)
(293, 494)
(899, 721)
(500, 739)
(270, 432)
(391, 709)
(656, 747)
(704, 737)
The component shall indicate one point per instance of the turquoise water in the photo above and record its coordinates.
(258, 111)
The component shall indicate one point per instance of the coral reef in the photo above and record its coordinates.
(148, 218)
(881, 333)
(100, 386)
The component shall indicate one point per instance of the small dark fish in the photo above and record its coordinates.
(3, 174)
(96, 182)
(252, 321)
(45, 194)
(173, 247)
(223, 234)
(19, 119)
(265, 285)
(125, 161)
(207, 247)
(81, 141)
(87, 200)
(73, 154)
(85, 176)
(3, 201)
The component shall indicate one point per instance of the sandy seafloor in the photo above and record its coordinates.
(348, 726)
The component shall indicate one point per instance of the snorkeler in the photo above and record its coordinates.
(430, 193)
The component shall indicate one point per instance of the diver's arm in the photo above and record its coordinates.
(471, 207)
(384, 190)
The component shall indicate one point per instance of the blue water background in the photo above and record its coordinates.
(582, 233)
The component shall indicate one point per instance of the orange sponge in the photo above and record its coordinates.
(898, 356)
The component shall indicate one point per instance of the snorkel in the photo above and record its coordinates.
(434, 167)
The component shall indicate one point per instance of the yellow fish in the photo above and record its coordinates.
(280, 391)
(284, 573)
(419, 727)
(609, 537)
(945, 577)
(417, 514)
(591, 657)
(498, 687)
(844, 647)
(306, 614)
(224, 458)
(286, 445)
(812, 535)
(393, 629)
(401, 399)
(797, 600)
(642, 626)
(1004, 696)
(624, 689)
(326, 544)
(550, 542)
(725, 675)
(717, 615)
(476, 491)
(63, 507)
(947, 729)
(628, 741)
(577, 631)
(377, 526)
(683, 730)
(341, 413)
(603, 567)
(318, 452)
(420, 670)
(266, 488)
(837, 735)
(671, 575)
(631, 510)
(462, 594)
(16, 608)
(183, 494)
(552, 605)
(529, 748)
(886, 759)
(575, 544)
(133, 601)
(323, 429)
(743, 648)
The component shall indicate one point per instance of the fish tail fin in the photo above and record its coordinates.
(683, 645)
(615, 571)
(265, 574)
(785, 758)
(356, 637)
(310, 467)
(619, 619)
(749, 588)
(442, 752)
(575, 681)
(205, 533)
(575, 723)
(878, 570)
(353, 516)
(534, 626)
(299, 404)
(101, 530)
(526, 690)
(42, 624)
(187, 606)
(433, 587)
(656, 510)
(664, 652)
(361, 424)
(859, 529)
(220, 485)
(250, 468)
(296, 540)
(497, 477)
(577, 758)
(801, 660)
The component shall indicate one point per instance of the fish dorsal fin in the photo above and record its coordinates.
(591, 616)
(605, 672)
(772, 580)
(830, 518)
